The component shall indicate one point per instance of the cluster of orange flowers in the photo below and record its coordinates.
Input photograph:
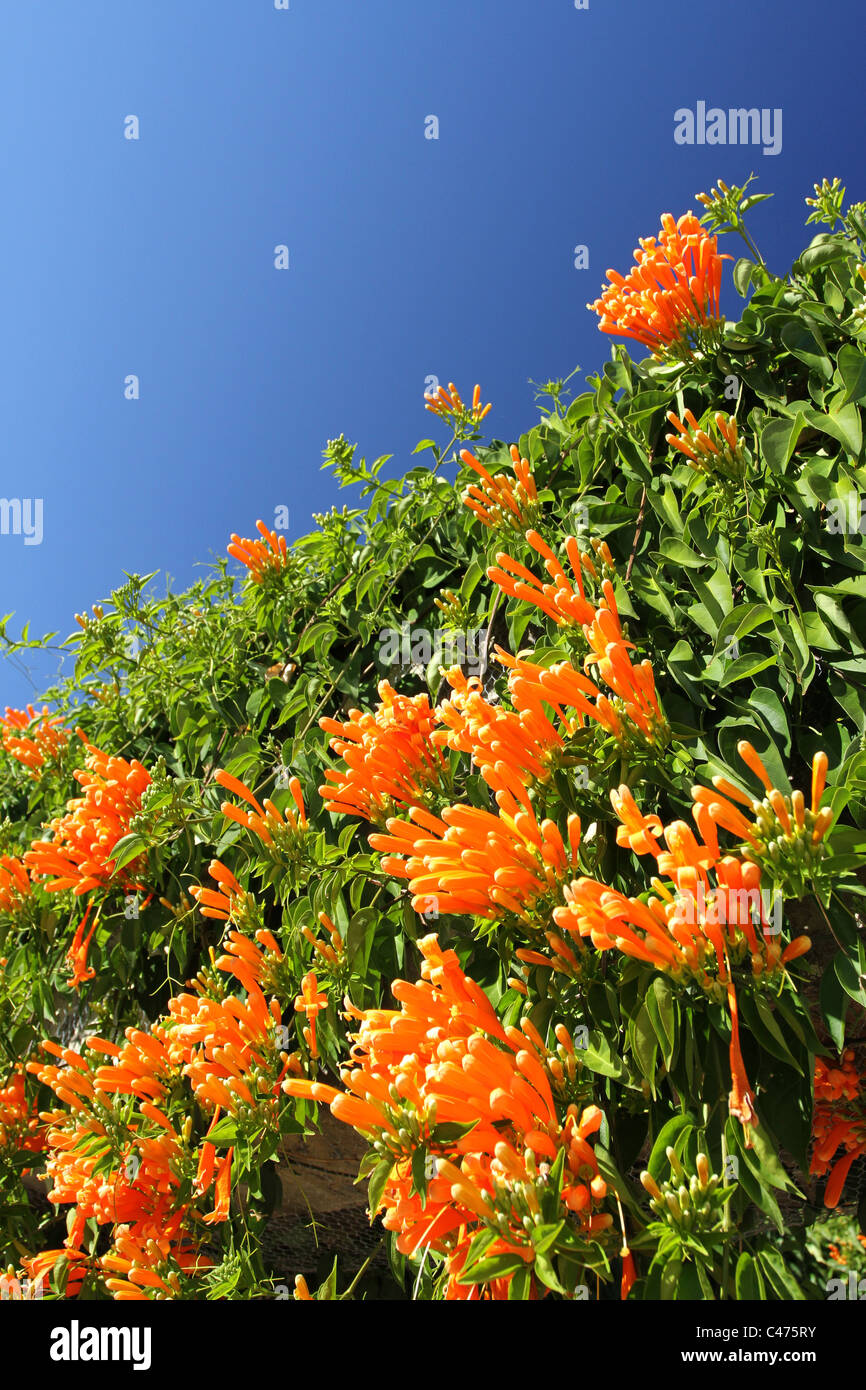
(633, 715)
(690, 927)
(332, 953)
(20, 1125)
(389, 755)
(723, 455)
(278, 831)
(709, 916)
(636, 708)
(671, 297)
(514, 748)
(33, 737)
(14, 883)
(226, 1049)
(262, 558)
(136, 1191)
(839, 1121)
(448, 405)
(444, 1057)
(227, 901)
(503, 744)
(474, 862)
(785, 836)
(392, 756)
(564, 601)
(78, 856)
(499, 502)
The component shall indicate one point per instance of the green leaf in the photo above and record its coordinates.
(494, 1267)
(742, 275)
(834, 1001)
(851, 364)
(600, 1057)
(842, 424)
(672, 1135)
(764, 1150)
(662, 1009)
(849, 978)
(778, 1275)
(670, 1280)
(824, 250)
(747, 1279)
(740, 621)
(127, 849)
(779, 440)
(419, 1169)
(644, 1043)
(543, 1237)
(520, 1286)
(376, 1185)
(225, 1131)
(677, 555)
(545, 1271)
(808, 347)
(745, 666)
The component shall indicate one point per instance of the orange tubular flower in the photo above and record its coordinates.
(78, 1264)
(499, 502)
(445, 1057)
(223, 1191)
(741, 1102)
(629, 1273)
(472, 861)
(311, 1001)
(448, 405)
(14, 884)
(262, 558)
(637, 832)
(389, 755)
(839, 1121)
(76, 956)
(32, 737)
(78, 856)
(670, 300)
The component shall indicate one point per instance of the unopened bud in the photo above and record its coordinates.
(674, 1161)
(650, 1184)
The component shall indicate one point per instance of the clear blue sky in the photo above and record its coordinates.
(408, 256)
